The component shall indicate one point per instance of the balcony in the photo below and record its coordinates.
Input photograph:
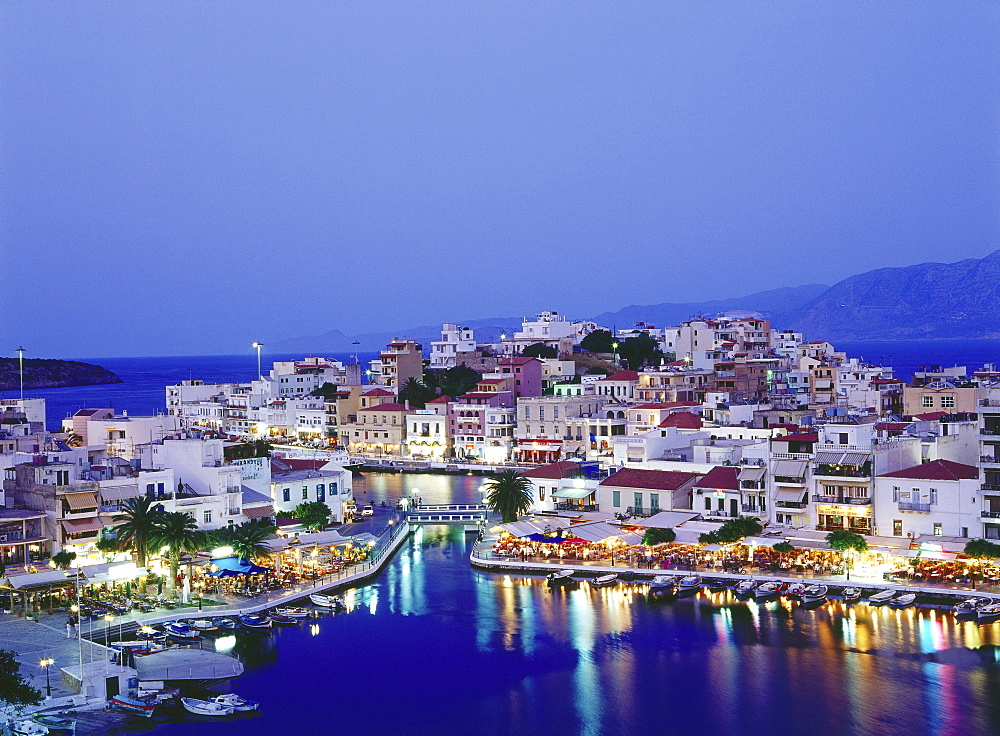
(906, 506)
(842, 472)
(842, 500)
(990, 432)
(790, 505)
(990, 487)
(989, 460)
(990, 514)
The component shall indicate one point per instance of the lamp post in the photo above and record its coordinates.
(108, 618)
(20, 360)
(614, 349)
(257, 344)
(46, 663)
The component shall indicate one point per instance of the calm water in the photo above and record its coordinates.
(434, 647)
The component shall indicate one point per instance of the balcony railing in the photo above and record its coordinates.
(989, 431)
(842, 500)
(990, 514)
(990, 487)
(790, 504)
(989, 460)
(842, 473)
(905, 506)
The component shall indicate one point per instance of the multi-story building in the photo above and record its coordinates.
(400, 361)
(456, 343)
(526, 374)
(637, 492)
(542, 430)
(379, 430)
(427, 434)
(294, 482)
(548, 328)
(937, 498)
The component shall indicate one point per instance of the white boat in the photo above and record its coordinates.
(689, 584)
(745, 587)
(662, 583)
(969, 608)
(851, 595)
(28, 728)
(768, 589)
(293, 612)
(563, 577)
(234, 701)
(204, 624)
(796, 590)
(206, 707)
(988, 613)
(328, 601)
(881, 597)
(903, 600)
(814, 595)
(604, 580)
(179, 630)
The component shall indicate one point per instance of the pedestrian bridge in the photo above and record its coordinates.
(458, 513)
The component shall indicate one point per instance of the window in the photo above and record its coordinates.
(947, 402)
(897, 527)
(541, 493)
(637, 501)
(937, 529)
(286, 494)
(527, 412)
(541, 413)
(708, 504)
(320, 492)
(208, 517)
(654, 502)
(555, 412)
(149, 489)
(895, 493)
(927, 401)
(934, 495)
(305, 492)
(333, 489)
(616, 499)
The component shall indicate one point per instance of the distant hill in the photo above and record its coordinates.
(47, 373)
(925, 301)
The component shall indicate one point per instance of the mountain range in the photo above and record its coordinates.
(923, 301)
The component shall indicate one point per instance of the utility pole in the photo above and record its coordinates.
(20, 360)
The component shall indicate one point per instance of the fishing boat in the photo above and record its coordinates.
(328, 601)
(226, 624)
(561, 578)
(989, 613)
(54, 722)
(149, 647)
(795, 590)
(969, 608)
(717, 585)
(851, 595)
(280, 620)
(180, 630)
(293, 612)
(604, 580)
(206, 707)
(129, 704)
(689, 584)
(881, 598)
(744, 588)
(255, 621)
(28, 727)
(903, 600)
(662, 584)
(150, 634)
(203, 625)
(814, 595)
(235, 702)
(768, 589)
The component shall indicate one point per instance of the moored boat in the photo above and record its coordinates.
(969, 608)
(902, 600)
(745, 588)
(281, 620)
(563, 577)
(129, 704)
(180, 630)
(850, 595)
(54, 722)
(814, 595)
(234, 701)
(717, 585)
(28, 727)
(795, 590)
(663, 584)
(768, 589)
(293, 611)
(689, 584)
(604, 580)
(226, 624)
(206, 707)
(203, 625)
(255, 621)
(150, 634)
(882, 597)
(328, 601)
(989, 613)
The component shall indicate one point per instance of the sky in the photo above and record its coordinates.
(187, 177)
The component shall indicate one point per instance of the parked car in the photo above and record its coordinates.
(368, 510)
(356, 516)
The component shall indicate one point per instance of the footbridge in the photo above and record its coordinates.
(456, 513)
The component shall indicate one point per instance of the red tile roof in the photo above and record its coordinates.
(389, 407)
(622, 376)
(667, 405)
(378, 392)
(891, 425)
(932, 416)
(801, 437)
(682, 420)
(285, 464)
(660, 480)
(937, 470)
(722, 477)
(442, 399)
(553, 470)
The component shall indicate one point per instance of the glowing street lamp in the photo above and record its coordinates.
(614, 348)
(109, 618)
(46, 663)
(257, 344)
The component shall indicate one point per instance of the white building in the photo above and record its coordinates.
(455, 341)
(938, 498)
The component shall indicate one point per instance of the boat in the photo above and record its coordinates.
(604, 580)
(149, 647)
(563, 577)
(54, 722)
(717, 585)
(882, 597)
(851, 595)
(280, 620)
(234, 701)
(293, 612)
(903, 600)
(744, 588)
(203, 625)
(129, 704)
(814, 595)
(148, 633)
(989, 613)
(226, 624)
(328, 601)
(662, 584)
(768, 589)
(180, 630)
(255, 621)
(28, 727)
(796, 590)
(969, 608)
(689, 584)
(206, 707)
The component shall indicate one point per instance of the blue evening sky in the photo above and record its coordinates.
(186, 177)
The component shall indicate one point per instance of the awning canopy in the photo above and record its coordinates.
(118, 493)
(574, 493)
(80, 501)
(111, 571)
(790, 495)
(751, 473)
(790, 468)
(258, 512)
(663, 520)
(597, 532)
(842, 458)
(47, 579)
(82, 526)
(237, 565)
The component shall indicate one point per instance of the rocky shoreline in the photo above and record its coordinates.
(53, 373)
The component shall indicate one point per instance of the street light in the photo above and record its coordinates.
(614, 349)
(257, 344)
(46, 663)
(109, 618)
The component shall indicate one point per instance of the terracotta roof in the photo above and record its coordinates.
(622, 376)
(931, 416)
(378, 392)
(891, 425)
(442, 399)
(553, 470)
(388, 407)
(723, 477)
(285, 464)
(937, 470)
(682, 420)
(801, 437)
(259, 512)
(661, 480)
(667, 405)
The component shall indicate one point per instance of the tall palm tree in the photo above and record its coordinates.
(179, 533)
(508, 493)
(138, 520)
(248, 540)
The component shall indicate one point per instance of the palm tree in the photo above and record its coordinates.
(248, 540)
(138, 520)
(179, 533)
(508, 493)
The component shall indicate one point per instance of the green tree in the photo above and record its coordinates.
(108, 547)
(14, 689)
(328, 391)
(454, 381)
(416, 392)
(784, 548)
(654, 536)
(640, 350)
(982, 549)
(313, 514)
(179, 533)
(598, 341)
(843, 540)
(248, 540)
(138, 520)
(733, 531)
(508, 493)
(63, 559)
(540, 350)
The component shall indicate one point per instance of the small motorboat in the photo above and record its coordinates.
(882, 597)
(814, 595)
(969, 608)
(130, 704)
(604, 580)
(689, 584)
(206, 707)
(328, 601)
(234, 701)
(148, 633)
(662, 584)
(180, 630)
(795, 590)
(149, 647)
(280, 620)
(226, 624)
(28, 727)
(54, 722)
(850, 595)
(768, 589)
(561, 578)
(717, 585)
(744, 588)
(989, 613)
(255, 621)
(903, 600)
(293, 612)
(203, 625)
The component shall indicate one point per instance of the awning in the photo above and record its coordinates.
(111, 571)
(80, 501)
(790, 468)
(664, 519)
(258, 512)
(119, 492)
(575, 493)
(790, 495)
(751, 473)
(828, 458)
(596, 532)
(842, 458)
(47, 579)
(237, 565)
(855, 458)
(81, 526)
